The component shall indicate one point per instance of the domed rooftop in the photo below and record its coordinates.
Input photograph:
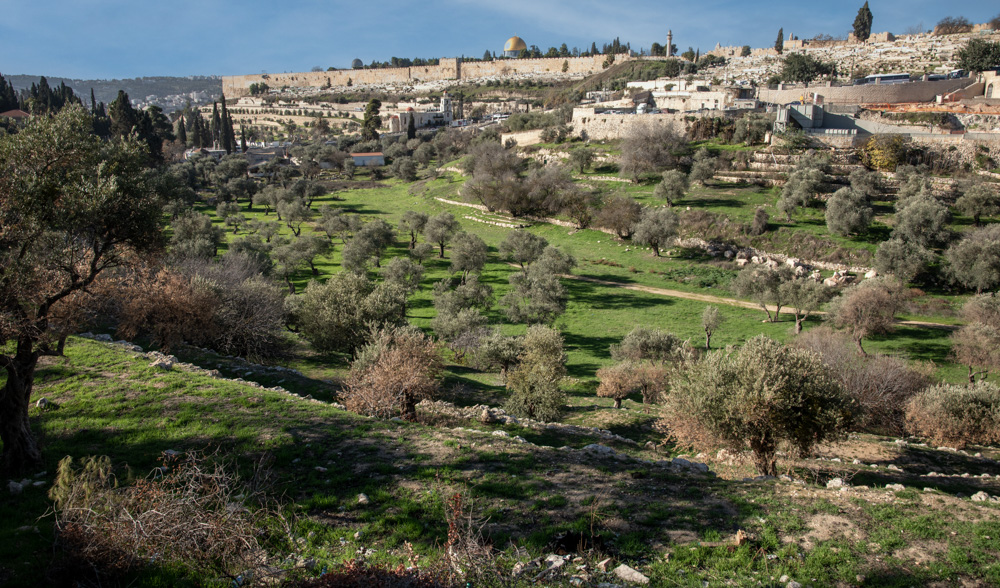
(515, 43)
(357, 64)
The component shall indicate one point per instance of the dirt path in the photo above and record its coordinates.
(726, 301)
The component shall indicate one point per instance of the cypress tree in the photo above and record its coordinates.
(411, 128)
(243, 140)
(216, 124)
(779, 43)
(196, 131)
(227, 138)
(182, 135)
(863, 23)
(93, 102)
(124, 118)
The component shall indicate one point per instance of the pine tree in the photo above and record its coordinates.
(863, 23)
(593, 48)
(124, 118)
(779, 43)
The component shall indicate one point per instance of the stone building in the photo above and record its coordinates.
(440, 117)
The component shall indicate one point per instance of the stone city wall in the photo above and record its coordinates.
(865, 94)
(447, 69)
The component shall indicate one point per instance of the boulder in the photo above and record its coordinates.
(363, 499)
(980, 497)
(895, 487)
(871, 274)
(630, 575)
(835, 483)
(14, 487)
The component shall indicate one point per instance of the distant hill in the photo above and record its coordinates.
(170, 93)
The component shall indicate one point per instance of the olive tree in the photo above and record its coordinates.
(868, 308)
(440, 229)
(672, 187)
(338, 315)
(710, 322)
(755, 398)
(413, 222)
(848, 212)
(534, 383)
(657, 228)
(923, 221)
(977, 201)
(763, 286)
(977, 343)
(974, 261)
(522, 247)
(904, 260)
(536, 295)
(71, 207)
(468, 254)
(803, 296)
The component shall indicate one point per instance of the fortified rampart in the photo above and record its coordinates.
(865, 94)
(447, 69)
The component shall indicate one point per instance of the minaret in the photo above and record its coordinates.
(670, 43)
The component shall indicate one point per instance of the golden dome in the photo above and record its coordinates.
(515, 44)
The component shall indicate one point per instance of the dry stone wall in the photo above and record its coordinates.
(615, 126)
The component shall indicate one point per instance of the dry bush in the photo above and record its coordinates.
(471, 560)
(879, 385)
(193, 517)
(398, 369)
(168, 306)
(360, 574)
(617, 381)
(956, 415)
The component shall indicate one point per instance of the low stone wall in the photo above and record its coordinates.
(615, 126)
(866, 94)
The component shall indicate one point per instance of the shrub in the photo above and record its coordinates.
(392, 373)
(883, 152)
(194, 517)
(879, 386)
(956, 415)
(644, 343)
(337, 315)
(755, 398)
(535, 382)
(848, 212)
(617, 382)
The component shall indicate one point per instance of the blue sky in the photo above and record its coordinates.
(106, 39)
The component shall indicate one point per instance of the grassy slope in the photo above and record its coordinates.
(588, 333)
(111, 403)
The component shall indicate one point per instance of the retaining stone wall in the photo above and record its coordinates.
(866, 94)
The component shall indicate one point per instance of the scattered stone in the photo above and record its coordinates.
(162, 363)
(793, 584)
(783, 579)
(42, 403)
(980, 497)
(893, 468)
(603, 564)
(501, 434)
(895, 487)
(103, 338)
(14, 487)
(320, 469)
(835, 483)
(599, 449)
(630, 575)
(363, 498)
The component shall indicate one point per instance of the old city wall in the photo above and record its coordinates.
(553, 65)
(447, 69)
(866, 94)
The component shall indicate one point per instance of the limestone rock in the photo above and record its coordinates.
(363, 499)
(14, 487)
(604, 564)
(630, 575)
(835, 483)
(895, 487)
(980, 497)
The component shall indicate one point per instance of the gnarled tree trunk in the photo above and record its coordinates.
(20, 450)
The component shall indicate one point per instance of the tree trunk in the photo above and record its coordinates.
(656, 250)
(763, 456)
(861, 350)
(618, 402)
(798, 324)
(441, 243)
(708, 340)
(20, 450)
